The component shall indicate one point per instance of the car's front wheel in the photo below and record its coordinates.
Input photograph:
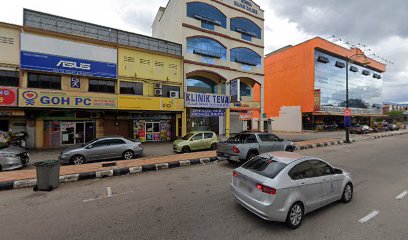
(214, 146)
(295, 216)
(186, 149)
(128, 155)
(78, 160)
(347, 193)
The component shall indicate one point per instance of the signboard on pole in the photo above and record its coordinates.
(347, 112)
(235, 90)
(347, 121)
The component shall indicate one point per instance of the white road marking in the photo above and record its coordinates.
(369, 216)
(109, 189)
(402, 195)
(228, 174)
(104, 197)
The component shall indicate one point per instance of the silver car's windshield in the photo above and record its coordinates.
(266, 167)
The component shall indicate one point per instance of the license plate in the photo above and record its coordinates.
(245, 186)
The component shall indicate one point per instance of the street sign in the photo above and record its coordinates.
(347, 112)
(347, 121)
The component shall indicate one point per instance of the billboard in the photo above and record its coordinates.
(204, 100)
(150, 103)
(49, 54)
(57, 99)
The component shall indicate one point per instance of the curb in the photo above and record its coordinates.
(109, 173)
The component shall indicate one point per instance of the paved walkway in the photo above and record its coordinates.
(92, 167)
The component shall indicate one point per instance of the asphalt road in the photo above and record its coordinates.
(195, 203)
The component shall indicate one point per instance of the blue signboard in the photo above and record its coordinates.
(347, 121)
(67, 65)
(206, 113)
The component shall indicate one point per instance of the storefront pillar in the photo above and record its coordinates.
(39, 133)
(184, 122)
(227, 122)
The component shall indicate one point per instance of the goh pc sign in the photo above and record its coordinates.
(53, 99)
(48, 54)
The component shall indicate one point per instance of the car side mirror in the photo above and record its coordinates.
(191, 140)
(281, 140)
(338, 171)
(89, 147)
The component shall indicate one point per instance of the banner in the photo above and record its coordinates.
(245, 105)
(150, 103)
(66, 65)
(235, 90)
(202, 100)
(8, 96)
(58, 99)
(206, 113)
(317, 100)
(246, 115)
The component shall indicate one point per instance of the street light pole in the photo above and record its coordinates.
(347, 128)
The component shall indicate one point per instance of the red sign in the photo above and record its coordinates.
(8, 96)
(246, 115)
(347, 112)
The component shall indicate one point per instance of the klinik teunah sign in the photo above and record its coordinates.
(202, 100)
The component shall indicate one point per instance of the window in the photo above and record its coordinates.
(264, 166)
(44, 81)
(188, 136)
(321, 168)
(301, 171)
(208, 15)
(246, 56)
(242, 138)
(201, 85)
(246, 27)
(135, 88)
(208, 135)
(101, 143)
(206, 47)
(9, 78)
(166, 90)
(197, 137)
(103, 86)
(268, 138)
(116, 142)
(245, 90)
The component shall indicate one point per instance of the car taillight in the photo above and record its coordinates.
(235, 174)
(235, 149)
(266, 189)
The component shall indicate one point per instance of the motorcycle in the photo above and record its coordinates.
(18, 139)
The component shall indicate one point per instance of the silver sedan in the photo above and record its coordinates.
(284, 186)
(12, 157)
(102, 149)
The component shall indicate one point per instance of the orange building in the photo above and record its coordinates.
(312, 75)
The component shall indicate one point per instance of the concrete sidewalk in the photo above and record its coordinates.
(26, 177)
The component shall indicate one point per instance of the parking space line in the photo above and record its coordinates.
(109, 189)
(402, 195)
(109, 195)
(369, 216)
(228, 174)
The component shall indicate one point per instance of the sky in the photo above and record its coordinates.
(379, 25)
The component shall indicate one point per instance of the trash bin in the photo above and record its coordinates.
(47, 175)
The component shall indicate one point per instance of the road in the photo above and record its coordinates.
(195, 203)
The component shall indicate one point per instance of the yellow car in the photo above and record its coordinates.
(196, 140)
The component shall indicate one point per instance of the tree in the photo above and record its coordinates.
(354, 103)
(396, 115)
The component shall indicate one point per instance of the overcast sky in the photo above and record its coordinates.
(380, 25)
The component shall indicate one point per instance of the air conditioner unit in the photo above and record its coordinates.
(174, 94)
(158, 92)
(158, 86)
(96, 115)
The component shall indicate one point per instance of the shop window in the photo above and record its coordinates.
(245, 90)
(134, 88)
(246, 27)
(246, 57)
(103, 86)
(167, 90)
(36, 80)
(207, 14)
(9, 78)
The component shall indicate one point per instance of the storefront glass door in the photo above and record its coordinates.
(77, 132)
(152, 131)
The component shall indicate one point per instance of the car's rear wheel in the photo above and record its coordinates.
(78, 160)
(214, 146)
(347, 193)
(295, 216)
(186, 149)
(128, 155)
(251, 155)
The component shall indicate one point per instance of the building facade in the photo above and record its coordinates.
(312, 75)
(76, 81)
(223, 48)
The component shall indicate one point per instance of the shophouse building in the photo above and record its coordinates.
(223, 49)
(312, 76)
(79, 81)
